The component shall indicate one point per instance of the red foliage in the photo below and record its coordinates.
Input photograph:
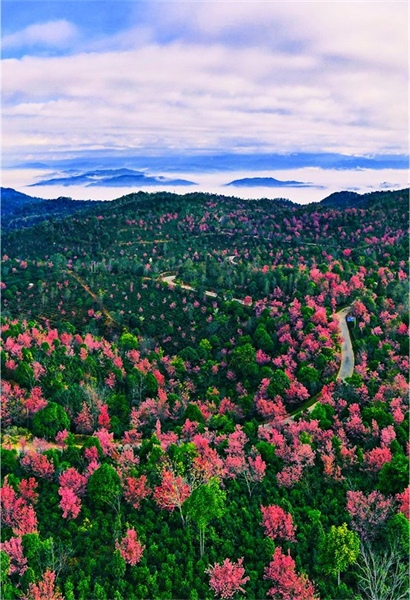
(14, 548)
(376, 458)
(287, 585)
(130, 547)
(15, 512)
(35, 401)
(45, 589)
(39, 464)
(104, 418)
(403, 500)
(172, 492)
(84, 420)
(135, 490)
(278, 524)
(251, 468)
(70, 503)
(228, 578)
(368, 513)
(27, 489)
(106, 440)
(73, 480)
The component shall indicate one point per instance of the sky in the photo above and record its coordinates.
(186, 82)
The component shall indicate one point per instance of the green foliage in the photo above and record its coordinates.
(394, 475)
(278, 384)
(104, 487)
(206, 503)
(50, 420)
(339, 550)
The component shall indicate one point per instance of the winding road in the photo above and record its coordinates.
(347, 354)
(347, 362)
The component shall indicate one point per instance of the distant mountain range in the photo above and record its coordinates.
(222, 162)
(269, 182)
(113, 178)
(131, 177)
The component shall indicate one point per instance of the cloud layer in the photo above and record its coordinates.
(211, 76)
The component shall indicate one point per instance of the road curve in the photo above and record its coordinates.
(347, 362)
(347, 354)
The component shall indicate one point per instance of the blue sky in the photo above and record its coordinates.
(144, 78)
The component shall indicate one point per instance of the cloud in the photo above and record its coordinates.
(53, 34)
(230, 76)
(360, 30)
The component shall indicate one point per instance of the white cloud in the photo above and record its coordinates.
(270, 76)
(54, 34)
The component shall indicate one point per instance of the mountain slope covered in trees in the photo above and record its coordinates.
(173, 421)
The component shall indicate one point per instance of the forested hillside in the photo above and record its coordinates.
(175, 421)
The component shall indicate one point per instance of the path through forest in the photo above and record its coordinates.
(347, 362)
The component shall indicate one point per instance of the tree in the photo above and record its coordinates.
(251, 468)
(172, 493)
(39, 464)
(394, 475)
(368, 513)
(16, 512)
(45, 589)
(14, 549)
(27, 489)
(278, 524)
(70, 503)
(382, 575)
(50, 420)
(206, 502)
(104, 420)
(135, 490)
(130, 548)
(243, 360)
(287, 584)
(104, 486)
(7, 588)
(340, 548)
(278, 384)
(228, 578)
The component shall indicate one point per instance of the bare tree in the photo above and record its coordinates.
(383, 575)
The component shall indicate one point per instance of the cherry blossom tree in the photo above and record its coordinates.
(287, 584)
(39, 464)
(251, 468)
(72, 479)
(27, 489)
(84, 420)
(104, 418)
(368, 513)
(14, 548)
(227, 579)
(135, 490)
(403, 499)
(44, 589)
(172, 492)
(376, 458)
(130, 547)
(16, 512)
(72, 487)
(70, 503)
(278, 524)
